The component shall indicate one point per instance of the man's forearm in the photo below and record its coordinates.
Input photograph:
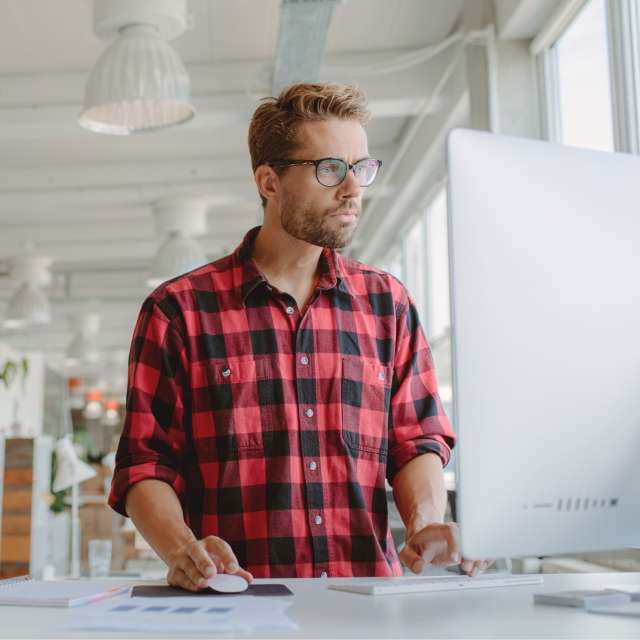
(157, 514)
(419, 492)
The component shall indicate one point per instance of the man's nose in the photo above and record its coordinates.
(350, 187)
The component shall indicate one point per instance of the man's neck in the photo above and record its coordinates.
(289, 264)
(282, 257)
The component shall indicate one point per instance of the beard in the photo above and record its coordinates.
(304, 222)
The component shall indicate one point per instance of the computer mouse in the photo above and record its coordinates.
(228, 583)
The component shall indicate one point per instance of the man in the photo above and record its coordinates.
(272, 392)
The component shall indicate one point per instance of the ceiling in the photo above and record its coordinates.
(85, 199)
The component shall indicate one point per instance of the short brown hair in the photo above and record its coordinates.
(274, 128)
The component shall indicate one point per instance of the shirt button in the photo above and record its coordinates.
(290, 310)
(323, 574)
(226, 372)
(304, 360)
(309, 413)
(313, 466)
(318, 519)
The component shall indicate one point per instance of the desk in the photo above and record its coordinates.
(323, 613)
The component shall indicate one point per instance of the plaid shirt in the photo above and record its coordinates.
(276, 428)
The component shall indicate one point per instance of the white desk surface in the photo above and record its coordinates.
(505, 612)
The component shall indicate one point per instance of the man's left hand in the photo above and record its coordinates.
(437, 544)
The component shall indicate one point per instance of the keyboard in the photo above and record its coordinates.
(390, 586)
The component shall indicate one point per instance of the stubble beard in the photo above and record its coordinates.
(304, 223)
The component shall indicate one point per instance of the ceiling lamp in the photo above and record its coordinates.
(139, 83)
(83, 348)
(180, 221)
(29, 305)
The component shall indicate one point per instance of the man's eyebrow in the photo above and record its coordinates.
(356, 161)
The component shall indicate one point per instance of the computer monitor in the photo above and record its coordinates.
(544, 245)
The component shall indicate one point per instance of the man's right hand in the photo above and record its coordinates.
(196, 561)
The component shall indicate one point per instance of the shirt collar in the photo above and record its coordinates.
(247, 276)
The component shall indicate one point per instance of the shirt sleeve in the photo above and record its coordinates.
(417, 421)
(152, 444)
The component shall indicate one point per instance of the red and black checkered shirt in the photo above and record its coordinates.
(276, 428)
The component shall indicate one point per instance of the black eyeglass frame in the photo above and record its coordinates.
(350, 167)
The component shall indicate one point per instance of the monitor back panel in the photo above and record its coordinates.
(544, 247)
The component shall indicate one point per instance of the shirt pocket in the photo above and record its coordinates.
(365, 400)
(235, 385)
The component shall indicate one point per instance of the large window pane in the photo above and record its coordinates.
(438, 324)
(438, 267)
(584, 80)
(416, 264)
(394, 265)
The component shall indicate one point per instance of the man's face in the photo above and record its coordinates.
(309, 211)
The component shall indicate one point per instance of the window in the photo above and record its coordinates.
(438, 267)
(394, 265)
(577, 75)
(415, 263)
(421, 263)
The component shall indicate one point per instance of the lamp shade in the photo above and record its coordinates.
(176, 256)
(138, 84)
(84, 347)
(71, 470)
(28, 306)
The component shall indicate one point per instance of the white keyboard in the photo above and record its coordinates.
(390, 586)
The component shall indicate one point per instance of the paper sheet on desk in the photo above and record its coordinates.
(179, 614)
(632, 609)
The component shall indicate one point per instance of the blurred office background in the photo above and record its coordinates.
(88, 218)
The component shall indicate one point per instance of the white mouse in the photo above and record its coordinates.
(228, 583)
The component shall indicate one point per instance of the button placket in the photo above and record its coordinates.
(306, 411)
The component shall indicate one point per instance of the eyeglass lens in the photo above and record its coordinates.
(332, 171)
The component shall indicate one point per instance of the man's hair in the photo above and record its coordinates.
(275, 125)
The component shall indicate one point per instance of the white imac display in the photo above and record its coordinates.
(544, 257)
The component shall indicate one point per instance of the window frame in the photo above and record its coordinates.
(623, 31)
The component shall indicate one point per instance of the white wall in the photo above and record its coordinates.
(23, 400)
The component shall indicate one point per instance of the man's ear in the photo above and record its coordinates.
(267, 181)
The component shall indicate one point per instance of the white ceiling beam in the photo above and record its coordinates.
(28, 217)
(92, 231)
(108, 174)
(224, 193)
(523, 19)
(124, 249)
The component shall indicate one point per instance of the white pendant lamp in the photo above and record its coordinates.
(29, 305)
(84, 348)
(139, 83)
(179, 221)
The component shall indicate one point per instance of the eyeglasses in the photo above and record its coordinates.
(330, 172)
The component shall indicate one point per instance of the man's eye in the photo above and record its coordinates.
(329, 168)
